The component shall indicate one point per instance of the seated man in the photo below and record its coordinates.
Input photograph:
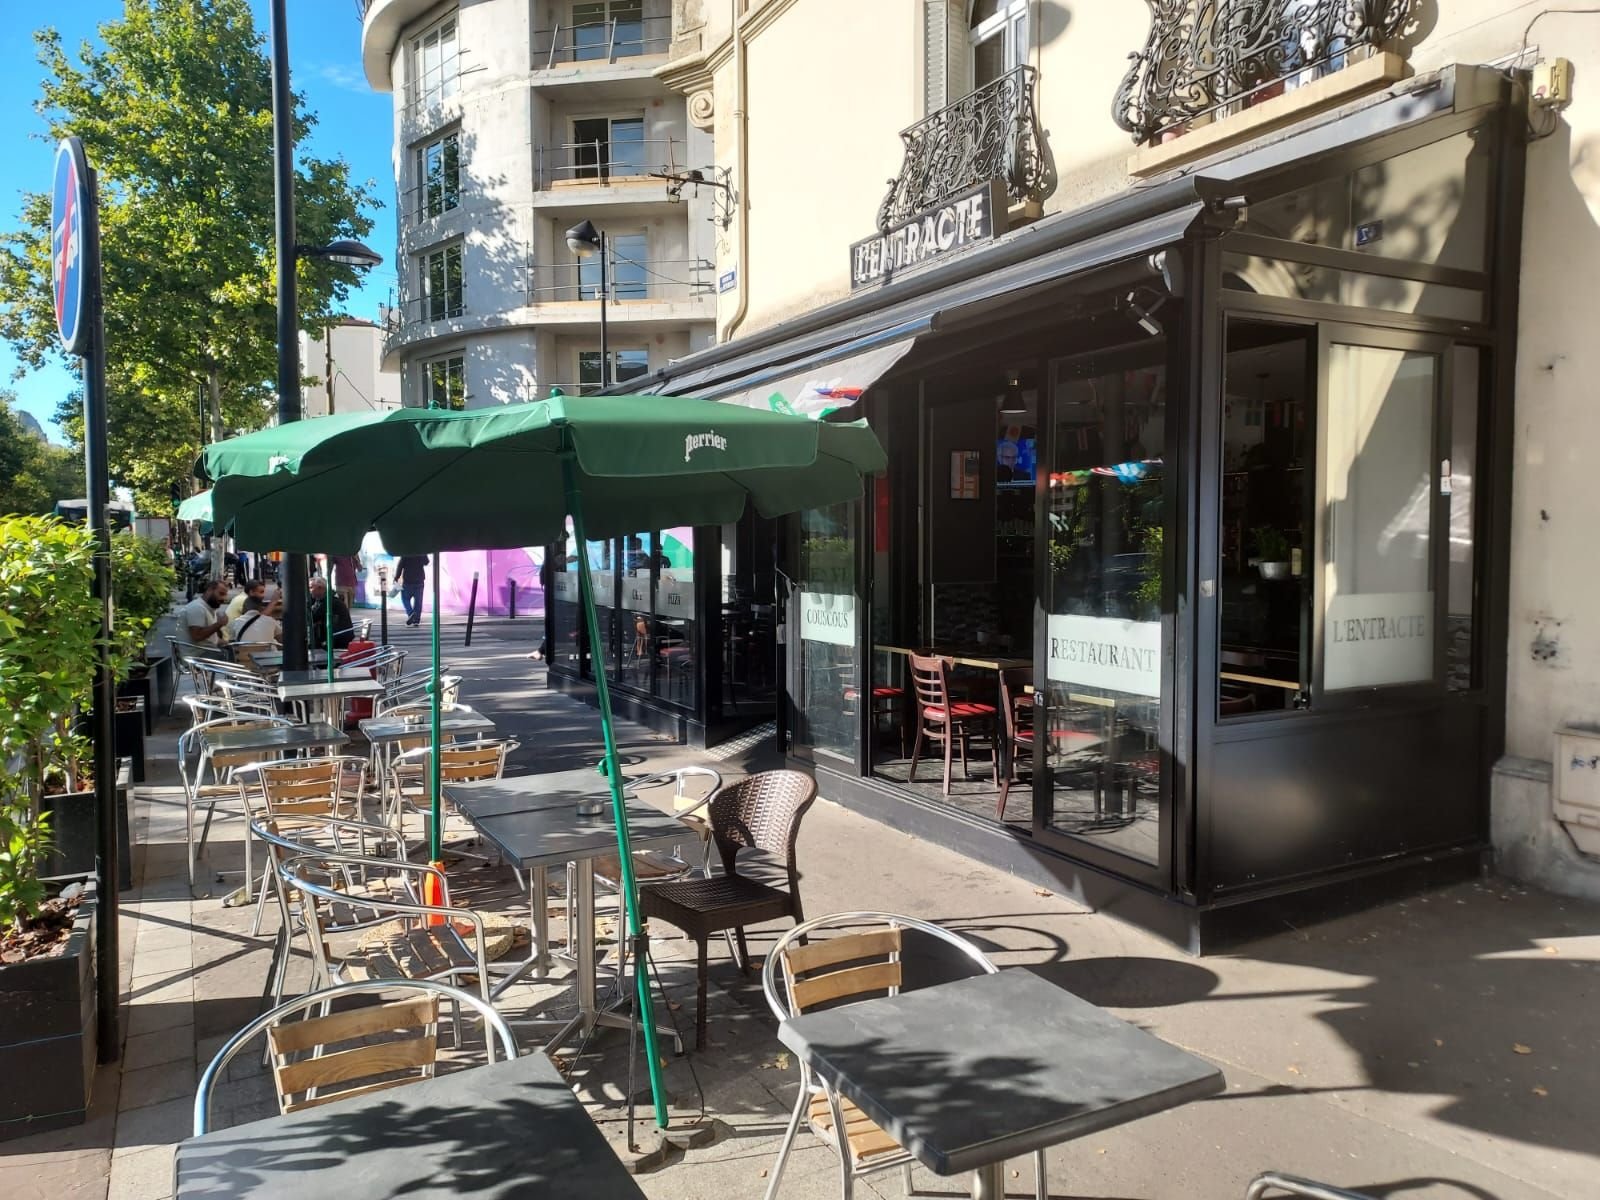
(199, 621)
(343, 631)
(254, 587)
(260, 624)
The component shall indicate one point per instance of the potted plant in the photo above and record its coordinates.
(142, 580)
(1272, 552)
(49, 625)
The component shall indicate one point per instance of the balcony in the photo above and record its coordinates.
(1206, 59)
(607, 163)
(992, 133)
(610, 42)
(642, 290)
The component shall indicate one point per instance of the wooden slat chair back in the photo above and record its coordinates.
(838, 969)
(315, 787)
(222, 763)
(322, 1059)
(930, 678)
(472, 762)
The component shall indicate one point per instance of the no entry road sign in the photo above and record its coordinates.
(68, 253)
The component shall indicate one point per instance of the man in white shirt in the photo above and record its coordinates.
(261, 623)
(199, 621)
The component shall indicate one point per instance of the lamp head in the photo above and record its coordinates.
(583, 239)
(347, 253)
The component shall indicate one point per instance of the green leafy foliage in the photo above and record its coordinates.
(175, 113)
(33, 473)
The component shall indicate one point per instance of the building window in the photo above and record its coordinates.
(601, 30)
(627, 253)
(439, 175)
(999, 38)
(625, 365)
(607, 146)
(440, 279)
(444, 382)
(435, 65)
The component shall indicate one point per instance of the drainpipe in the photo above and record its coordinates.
(742, 175)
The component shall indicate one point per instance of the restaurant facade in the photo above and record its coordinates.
(1187, 590)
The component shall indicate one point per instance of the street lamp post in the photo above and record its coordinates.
(583, 240)
(349, 253)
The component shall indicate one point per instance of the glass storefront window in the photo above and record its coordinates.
(1106, 513)
(1357, 289)
(1269, 430)
(749, 617)
(825, 719)
(674, 619)
(568, 643)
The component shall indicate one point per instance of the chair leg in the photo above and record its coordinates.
(905, 1179)
(700, 994)
(788, 1142)
(916, 753)
(949, 738)
(188, 837)
(1041, 1186)
(994, 749)
(1005, 787)
(744, 950)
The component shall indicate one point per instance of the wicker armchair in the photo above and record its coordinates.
(763, 813)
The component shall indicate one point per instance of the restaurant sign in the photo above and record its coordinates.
(966, 219)
(1105, 652)
(1376, 638)
(828, 617)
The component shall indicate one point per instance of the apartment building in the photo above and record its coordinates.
(515, 121)
(344, 369)
(1232, 362)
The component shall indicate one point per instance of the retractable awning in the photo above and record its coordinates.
(829, 368)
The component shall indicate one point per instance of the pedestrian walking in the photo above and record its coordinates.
(409, 575)
(345, 570)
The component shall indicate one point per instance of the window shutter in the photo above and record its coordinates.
(958, 51)
(935, 54)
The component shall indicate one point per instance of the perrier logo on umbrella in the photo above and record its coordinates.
(710, 440)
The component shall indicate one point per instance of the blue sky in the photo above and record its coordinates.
(353, 123)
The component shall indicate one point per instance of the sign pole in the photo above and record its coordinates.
(75, 270)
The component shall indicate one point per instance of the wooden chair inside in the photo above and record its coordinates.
(940, 718)
(321, 1059)
(850, 967)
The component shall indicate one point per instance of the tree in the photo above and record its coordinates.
(175, 114)
(33, 473)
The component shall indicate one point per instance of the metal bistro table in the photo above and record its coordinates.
(383, 734)
(314, 687)
(533, 819)
(966, 1075)
(272, 660)
(499, 1131)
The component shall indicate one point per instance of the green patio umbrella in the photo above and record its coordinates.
(428, 480)
(196, 507)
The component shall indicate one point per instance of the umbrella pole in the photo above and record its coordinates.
(643, 1012)
(435, 827)
(327, 611)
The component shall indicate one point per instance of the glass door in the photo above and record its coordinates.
(823, 720)
(1383, 491)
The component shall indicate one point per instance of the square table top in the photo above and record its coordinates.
(271, 659)
(508, 1129)
(379, 730)
(544, 837)
(313, 684)
(314, 735)
(526, 793)
(993, 1067)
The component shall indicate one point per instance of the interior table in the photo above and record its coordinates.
(383, 734)
(314, 687)
(966, 1075)
(503, 1130)
(544, 830)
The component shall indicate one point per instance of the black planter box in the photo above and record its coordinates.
(140, 686)
(48, 1020)
(128, 730)
(75, 838)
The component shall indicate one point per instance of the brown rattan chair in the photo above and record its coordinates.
(761, 813)
(940, 718)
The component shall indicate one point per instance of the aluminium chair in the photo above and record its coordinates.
(760, 813)
(335, 1055)
(216, 779)
(801, 973)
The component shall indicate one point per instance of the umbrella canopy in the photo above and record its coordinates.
(196, 508)
(429, 480)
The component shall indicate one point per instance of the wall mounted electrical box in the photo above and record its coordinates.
(1575, 784)
(1552, 83)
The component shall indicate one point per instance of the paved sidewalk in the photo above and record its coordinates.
(1444, 1047)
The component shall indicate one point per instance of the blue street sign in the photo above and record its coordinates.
(68, 259)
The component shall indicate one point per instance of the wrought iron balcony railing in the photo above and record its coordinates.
(1203, 57)
(992, 133)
